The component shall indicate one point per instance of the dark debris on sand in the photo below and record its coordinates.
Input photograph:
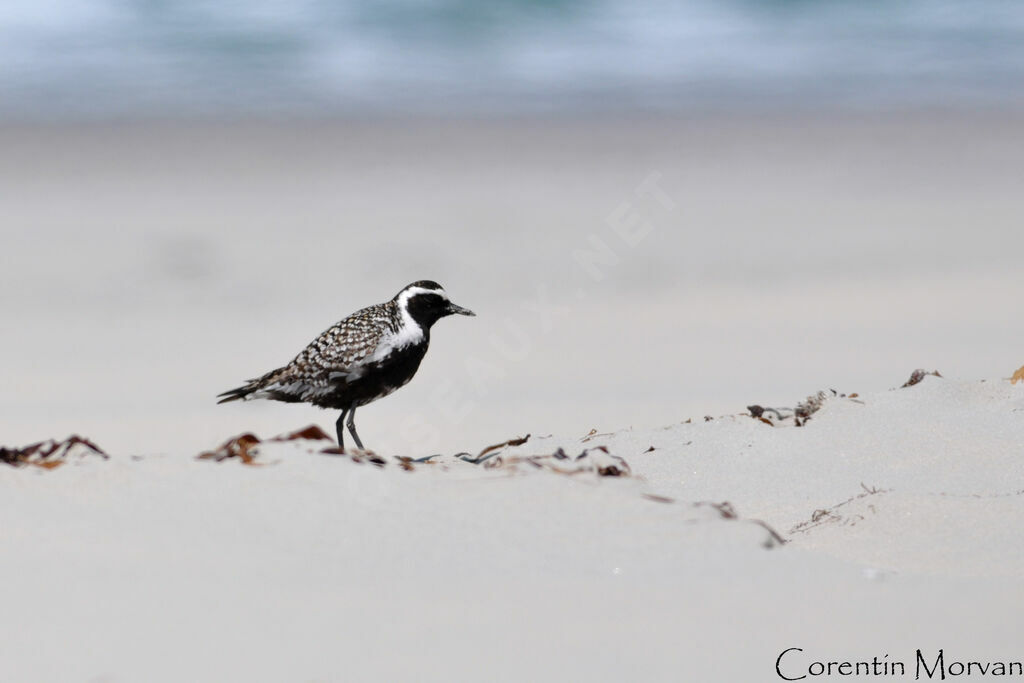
(799, 415)
(813, 403)
(51, 454)
(244, 446)
(917, 375)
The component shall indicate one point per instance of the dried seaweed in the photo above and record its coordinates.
(801, 414)
(597, 460)
(658, 499)
(593, 434)
(726, 511)
(810, 405)
(1018, 376)
(51, 454)
(244, 446)
(518, 441)
(236, 447)
(834, 514)
(311, 433)
(917, 375)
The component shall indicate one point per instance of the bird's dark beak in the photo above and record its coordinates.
(453, 309)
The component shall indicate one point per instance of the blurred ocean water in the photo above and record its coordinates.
(65, 59)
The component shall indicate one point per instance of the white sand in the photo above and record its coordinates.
(146, 268)
(313, 567)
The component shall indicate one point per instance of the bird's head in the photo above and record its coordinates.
(426, 302)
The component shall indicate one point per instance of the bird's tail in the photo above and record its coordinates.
(248, 389)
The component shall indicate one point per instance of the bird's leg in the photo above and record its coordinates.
(352, 427)
(340, 425)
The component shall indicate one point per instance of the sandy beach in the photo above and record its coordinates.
(638, 284)
(148, 267)
(898, 515)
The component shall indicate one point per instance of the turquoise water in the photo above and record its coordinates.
(89, 58)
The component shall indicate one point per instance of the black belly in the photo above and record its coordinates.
(378, 380)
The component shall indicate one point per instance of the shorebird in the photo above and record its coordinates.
(366, 356)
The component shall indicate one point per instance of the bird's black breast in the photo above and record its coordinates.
(375, 380)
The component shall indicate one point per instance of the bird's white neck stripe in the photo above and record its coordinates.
(410, 331)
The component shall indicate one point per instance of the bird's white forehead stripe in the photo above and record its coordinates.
(413, 291)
